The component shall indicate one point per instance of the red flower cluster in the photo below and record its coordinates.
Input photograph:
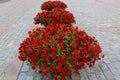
(49, 5)
(54, 16)
(59, 51)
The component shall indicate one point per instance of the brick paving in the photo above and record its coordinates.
(98, 18)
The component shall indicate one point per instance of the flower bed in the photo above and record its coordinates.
(56, 15)
(59, 49)
(49, 5)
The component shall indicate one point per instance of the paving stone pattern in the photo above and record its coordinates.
(99, 18)
(16, 18)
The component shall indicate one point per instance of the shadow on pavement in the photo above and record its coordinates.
(3, 1)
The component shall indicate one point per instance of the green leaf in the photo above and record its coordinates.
(67, 24)
(43, 19)
(66, 36)
(50, 62)
(39, 61)
(37, 49)
(41, 36)
(68, 48)
(87, 56)
(29, 64)
(58, 77)
(44, 46)
(22, 48)
(59, 53)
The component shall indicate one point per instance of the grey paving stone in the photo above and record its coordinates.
(1, 63)
(22, 76)
(104, 67)
(2, 73)
(116, 65)
(89, 70)
(107, 72)
(38, 77)
(97, 70)
(111, 66)
(76, 77)
(114, 60)
(112, 56)
(83, 75)
(32, 72)
(30, 78)
(1, 76)
(109, 75)
(101, 77)
(92, 76)
(117, 77)
(106, 60)
(116, 72)
(25, 67)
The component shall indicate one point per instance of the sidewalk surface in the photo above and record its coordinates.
(99, 18)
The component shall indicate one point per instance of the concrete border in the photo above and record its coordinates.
(13, 70)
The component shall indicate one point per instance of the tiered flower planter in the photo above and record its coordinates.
(59, 49)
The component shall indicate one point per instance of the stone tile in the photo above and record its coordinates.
(97, 70)
(31, 72)
(112, 56)
(104, 67)
(76, 77)
(109, 75)
(106, 60)
(89, 70)
(22, 76)
(116, 65)
(118, 59)
(117, 77)
(1, 77)
(116, 72)
(2, 73)
(113, 60)
(1, 63)
(38, 77)
(83, 75)
(107, 72)
(101, 77)
(111, 66)
(25, 67)
(30, 78)
(92, 77)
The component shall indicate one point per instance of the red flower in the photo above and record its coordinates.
(49, 5)
(39, 71)
(46, 72)
(59, 65)
(22, 58)
(59, 50)
(44, 66)
(71, 58)
(54, 53)
(69, 72)
(67, 66)
(35, 43)
(55, 78)
(55, 16)
(34, 66)
(62, 78)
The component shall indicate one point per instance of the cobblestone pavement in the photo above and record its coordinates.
(16, 18)
(99, 18)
